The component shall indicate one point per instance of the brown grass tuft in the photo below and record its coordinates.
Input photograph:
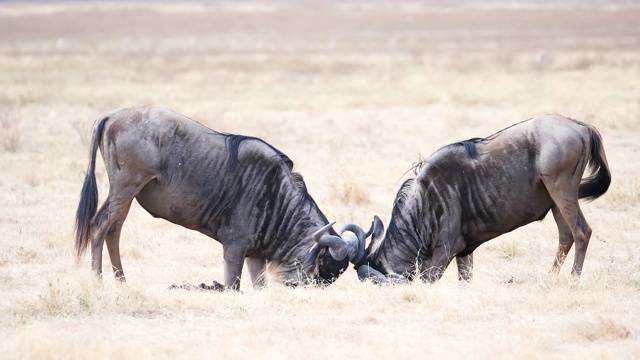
(9, 134)
(351, 193)
(604, 329)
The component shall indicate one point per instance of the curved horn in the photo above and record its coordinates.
(318, 234)
(359, 242)
(367, 272)
(338, 248)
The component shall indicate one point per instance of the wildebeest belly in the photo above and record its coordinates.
(509, 213)
(180, 205)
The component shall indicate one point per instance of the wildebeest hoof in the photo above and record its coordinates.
(215, 286)
(397, 279)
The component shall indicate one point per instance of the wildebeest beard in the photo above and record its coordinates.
(319, 268)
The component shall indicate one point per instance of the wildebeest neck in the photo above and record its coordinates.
(407, 240)
(283, 216)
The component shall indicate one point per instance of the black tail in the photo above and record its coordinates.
(89, 195)
(597, 184)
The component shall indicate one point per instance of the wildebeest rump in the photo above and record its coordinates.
(472, 191)
(236, 189)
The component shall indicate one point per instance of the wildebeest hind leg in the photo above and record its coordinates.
(565, 239)
(581, 234)
(117, 203)
(113, 244)
(565, 196)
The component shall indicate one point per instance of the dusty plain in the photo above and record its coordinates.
(354, 93)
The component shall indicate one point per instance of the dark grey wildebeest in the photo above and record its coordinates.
(473, 191)
(236, 189)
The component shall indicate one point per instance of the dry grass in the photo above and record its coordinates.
(10, 135)
(353, 93)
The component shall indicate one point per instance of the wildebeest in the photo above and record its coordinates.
(236, 189)
(472, 191)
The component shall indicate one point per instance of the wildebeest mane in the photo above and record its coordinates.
(305, 197)
(417, 166)
(233, 142)
(470, 144)
(398, 204)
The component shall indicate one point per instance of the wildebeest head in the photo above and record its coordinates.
(401, 257)
(332, 252)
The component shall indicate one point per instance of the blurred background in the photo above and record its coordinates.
(354, 92)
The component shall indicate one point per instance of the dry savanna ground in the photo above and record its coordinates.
(354, 93)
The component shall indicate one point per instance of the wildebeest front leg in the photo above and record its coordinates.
(257, 266)
(436, 267)
(234, 255)
(441, 257)
(465, 267)
(438, 264)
